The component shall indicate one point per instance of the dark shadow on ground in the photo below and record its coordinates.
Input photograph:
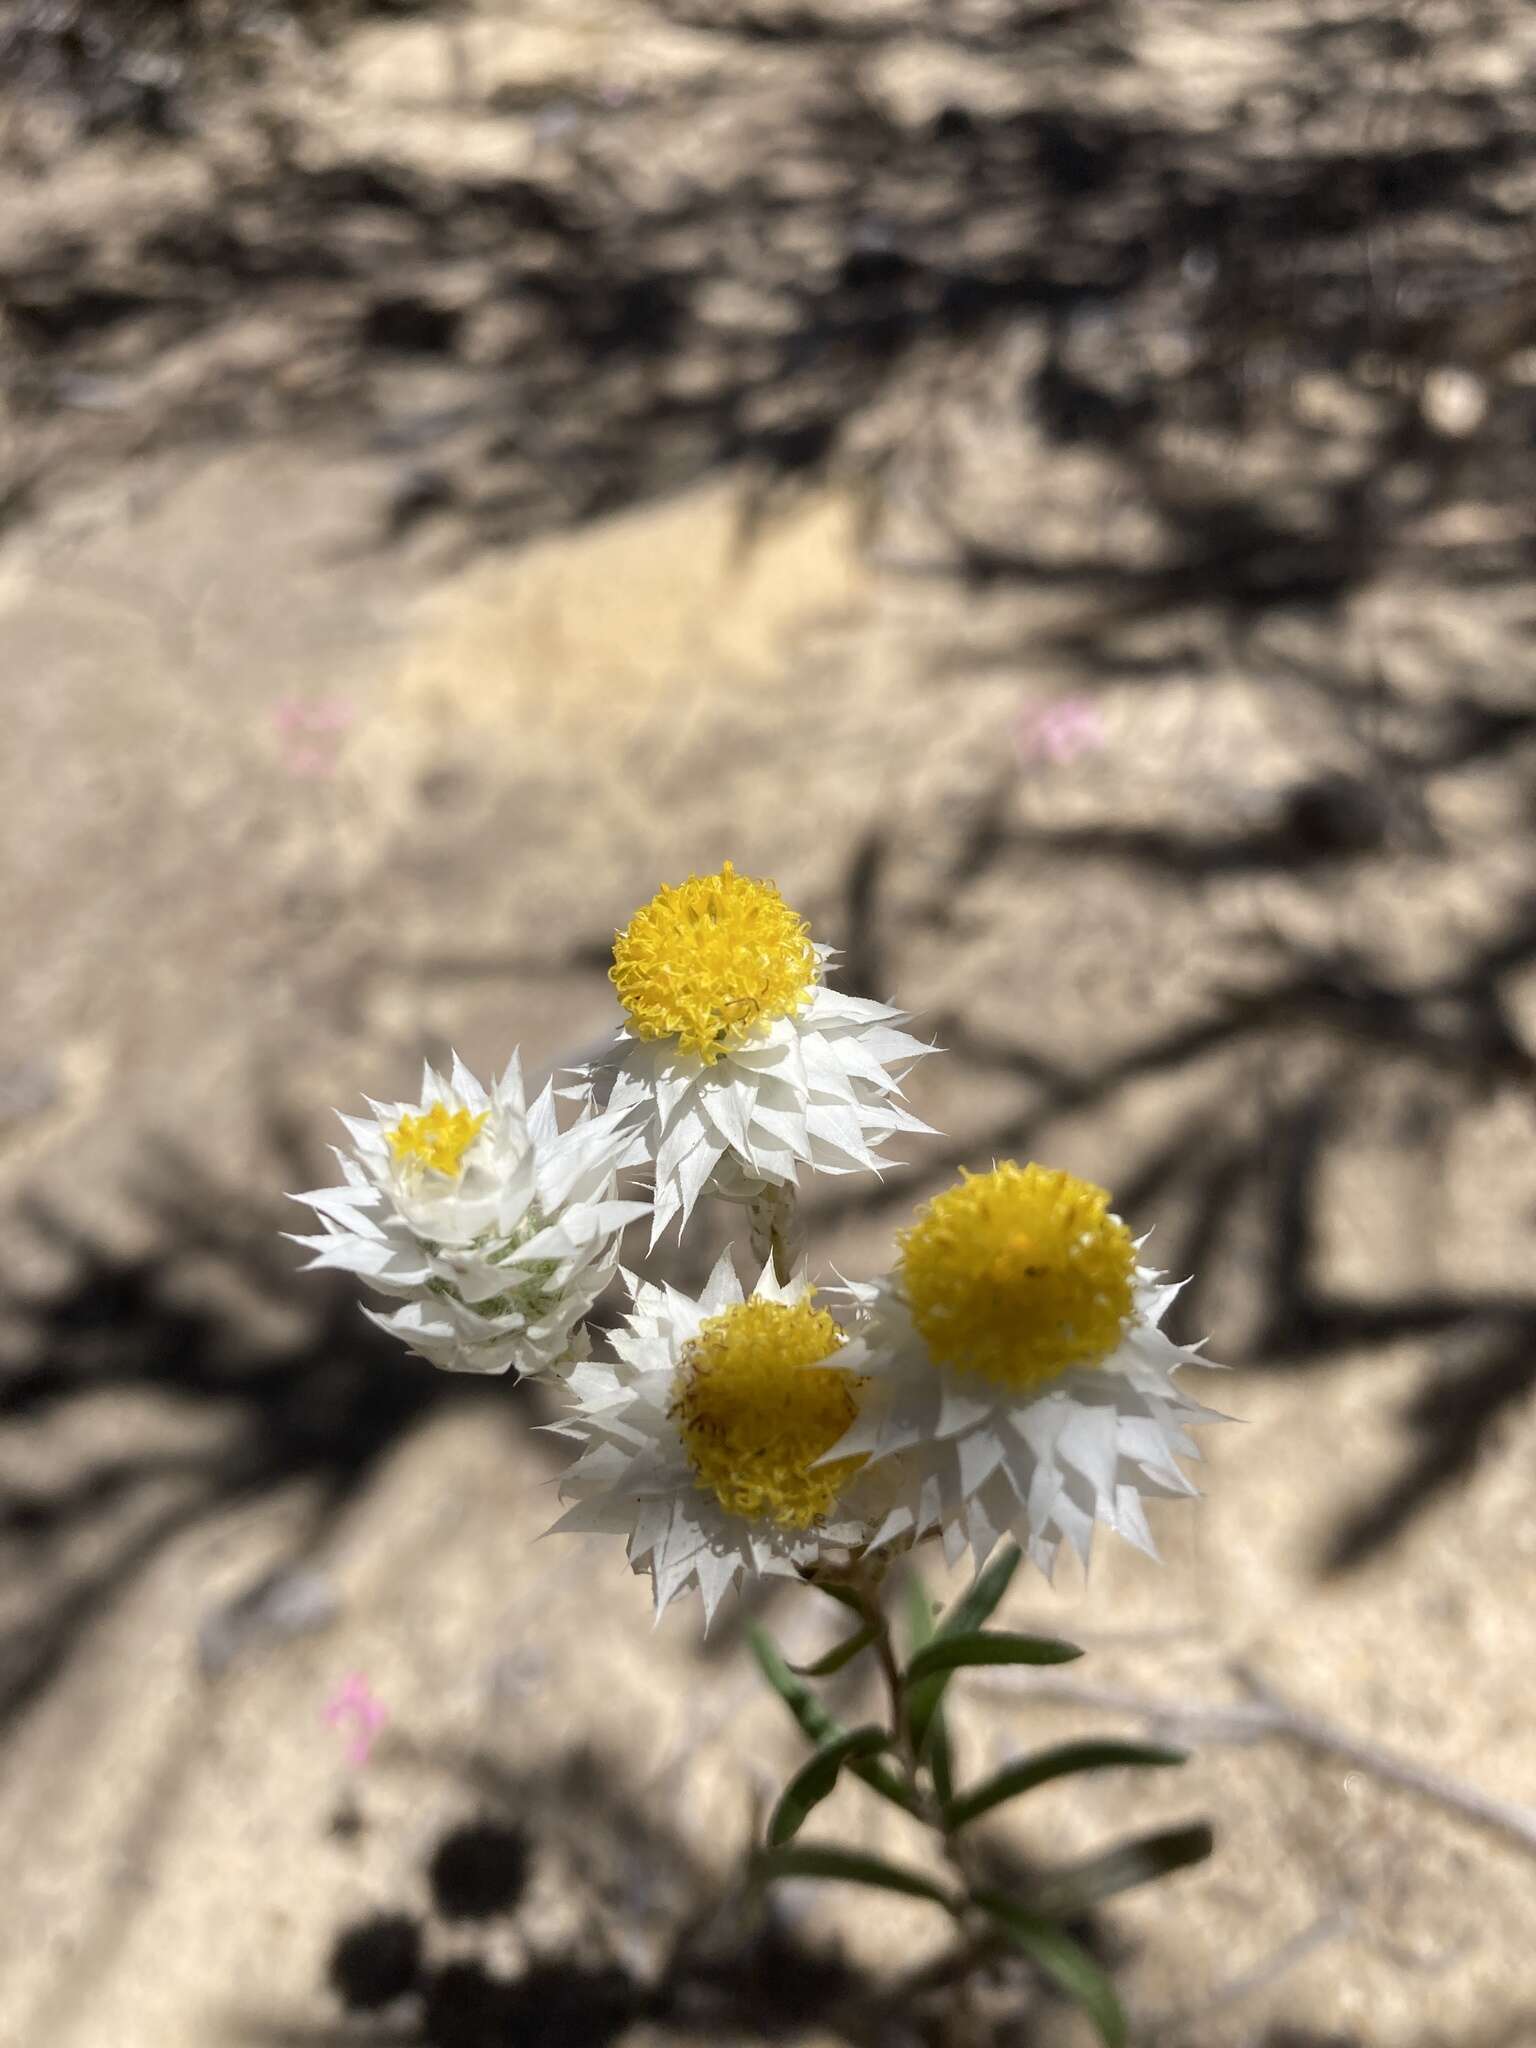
(152, 68)
(261, 1379)
(665, 1940)
(1300, 345)
(617, 336)
(1279, 1077)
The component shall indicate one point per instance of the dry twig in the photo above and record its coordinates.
(1266, 1716)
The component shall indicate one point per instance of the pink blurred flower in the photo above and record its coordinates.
(1058, 732)
(354, 1706)
(310, 735)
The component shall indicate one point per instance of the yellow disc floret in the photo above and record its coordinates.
(707, 962)
(1018, 1275)
(438, 1140)
(755, 1413)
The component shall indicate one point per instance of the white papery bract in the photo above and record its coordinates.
(819, 1090)
(736, 1064)
(1066, 1446)
(635, 1476)
(496, 1229)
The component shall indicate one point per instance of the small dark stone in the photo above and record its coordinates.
(376, 1962)
(479, 1870)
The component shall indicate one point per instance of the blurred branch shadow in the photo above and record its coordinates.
(1274, 1078)
(665, 1940)
(621, 337)
(279, 1380)
(1262, 332)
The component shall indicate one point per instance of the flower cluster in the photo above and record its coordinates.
(1008, 1377)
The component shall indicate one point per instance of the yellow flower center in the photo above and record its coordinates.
(707, 962)
(1018, 1275)
(439, 1139)
(755, 1414)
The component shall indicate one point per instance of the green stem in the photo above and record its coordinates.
(926, 1804)
(969, 2028)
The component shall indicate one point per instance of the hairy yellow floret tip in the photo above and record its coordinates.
(439, 1139)
(707, 962)
(1018, 1275)
(755, 1413)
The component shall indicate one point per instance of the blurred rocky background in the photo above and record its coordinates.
(1054, 486)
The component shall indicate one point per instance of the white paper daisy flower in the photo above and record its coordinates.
(703, 1442)
(737, 1063)
(496, 1229)
(1013, 1360)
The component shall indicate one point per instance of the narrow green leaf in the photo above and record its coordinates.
(807, 1709)
(938, 1752)
(815, 1780)
(850, 1867)
(925, 1717)
(843, 1653)
(1046, 1764)
(1064, 1961)
(922, 1703)
(1119, 1869)
(817, 1724)
(920, 1615)
(928, 1672)
(976, 1606)
(950, 1653)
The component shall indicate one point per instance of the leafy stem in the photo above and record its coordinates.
(909, 1762)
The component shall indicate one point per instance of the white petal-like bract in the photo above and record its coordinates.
(634, 1477)
(494, 1229)
(983, 1461)
(819, 1090)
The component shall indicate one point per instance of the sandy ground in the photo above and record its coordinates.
(284, 808)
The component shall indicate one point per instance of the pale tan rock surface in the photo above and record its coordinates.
(282, 809)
